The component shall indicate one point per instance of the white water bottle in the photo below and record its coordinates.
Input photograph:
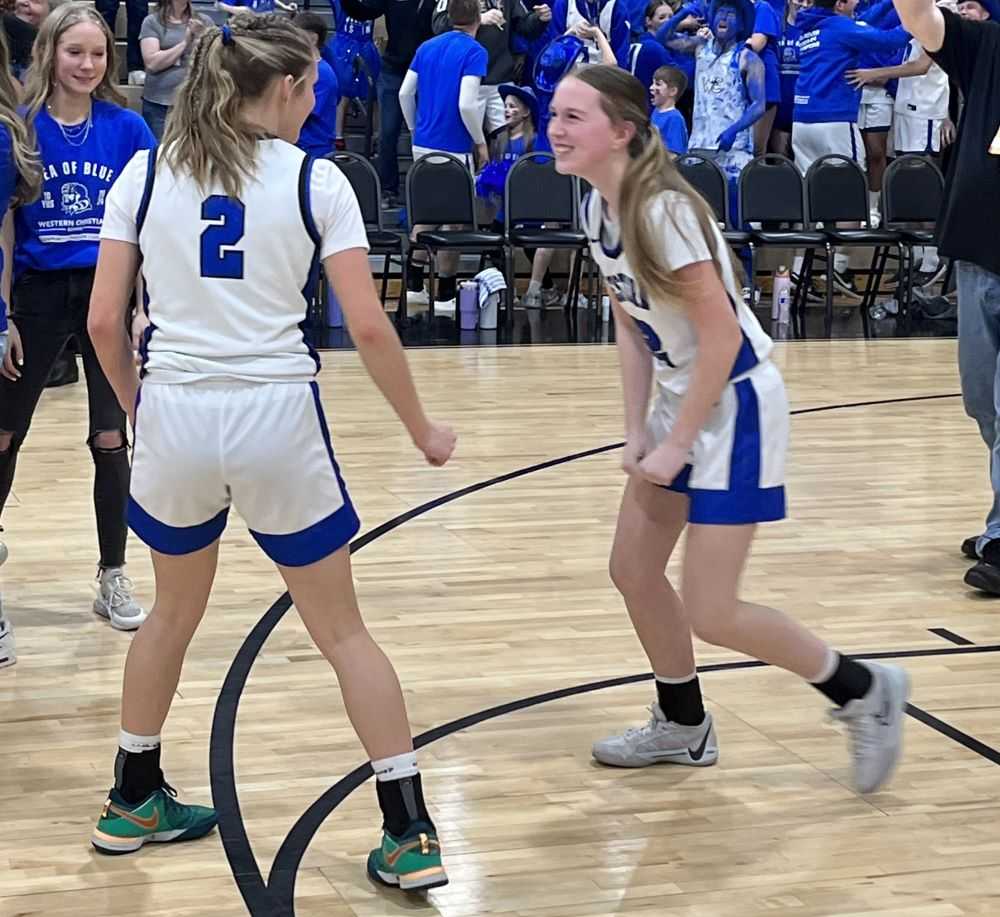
(781, 296)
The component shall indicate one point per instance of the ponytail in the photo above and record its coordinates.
(206, 134)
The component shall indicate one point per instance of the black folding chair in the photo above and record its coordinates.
(535, 193)
(708, 179)
(440, 192)
(837, 192)
(772, 193)
(367, 188)
(912, 194)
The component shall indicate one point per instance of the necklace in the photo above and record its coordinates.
(75, 134)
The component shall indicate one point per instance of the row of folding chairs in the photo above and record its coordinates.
(541, 210)
(799, 211)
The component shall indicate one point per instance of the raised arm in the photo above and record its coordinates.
(923, 20)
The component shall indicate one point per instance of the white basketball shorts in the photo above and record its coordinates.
(917, 135)
(812, 141)
(875, 113)
(263, 447)
(736, 475)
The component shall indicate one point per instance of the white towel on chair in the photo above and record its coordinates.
(490, 281)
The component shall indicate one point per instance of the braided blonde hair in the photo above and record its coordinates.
(206, 134)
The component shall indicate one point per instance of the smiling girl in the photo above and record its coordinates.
(710, 456)
(84, 138)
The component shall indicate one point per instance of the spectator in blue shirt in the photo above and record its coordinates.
(788, 64)
(764, 40)
(667, 87)
(610, 16)
(319, 133)
(647, 55)
(440, 102)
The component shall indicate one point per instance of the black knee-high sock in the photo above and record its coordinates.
(402, 804)
(137, 774)
(111, 477)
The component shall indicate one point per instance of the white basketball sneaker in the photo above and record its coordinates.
(661, 742)
(114, 600)
(875, 726)
(8, 651)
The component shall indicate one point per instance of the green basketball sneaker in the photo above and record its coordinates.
(124, 829)
(411, 862)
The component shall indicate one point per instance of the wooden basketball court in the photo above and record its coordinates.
(499, 595)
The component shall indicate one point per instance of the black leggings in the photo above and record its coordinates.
(50, 307)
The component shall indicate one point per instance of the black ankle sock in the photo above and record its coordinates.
(850, 681)
(415, 277)
(402, 804)
(681, 703)
(137, 774)
(447, 288)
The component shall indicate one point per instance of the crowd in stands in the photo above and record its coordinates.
(727, 79)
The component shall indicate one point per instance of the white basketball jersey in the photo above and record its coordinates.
(668, 332)
(923, 96)
(228, 281)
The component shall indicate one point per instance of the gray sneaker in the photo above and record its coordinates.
(114, 600)
(661, 742)
(875, 726)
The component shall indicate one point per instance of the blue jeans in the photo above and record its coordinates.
(136, 11)
(979, 367)
(390, 125)
(155, 116)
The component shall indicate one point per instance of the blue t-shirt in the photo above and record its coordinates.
(440, 65)
(320, 129)
(8, 181)
(673, 130)
(62, 228)
(766, 22)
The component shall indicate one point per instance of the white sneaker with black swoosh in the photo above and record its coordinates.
(875, 726)
(660, 742)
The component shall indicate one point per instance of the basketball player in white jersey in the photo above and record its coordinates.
(230, 221)
(710, 456)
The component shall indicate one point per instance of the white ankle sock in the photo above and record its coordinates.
(534, 287)
(397, 767)
(873, 200)
(137, 744)
(829, 667)
(841, 263)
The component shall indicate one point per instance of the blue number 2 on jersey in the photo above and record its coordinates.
(218, 259)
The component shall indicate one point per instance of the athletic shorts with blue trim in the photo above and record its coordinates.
(261, 447)
(813, 141)
(736, 475)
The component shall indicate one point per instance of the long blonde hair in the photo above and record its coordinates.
(42, 72)
(206, 135)
(649, 173)
(26, 158)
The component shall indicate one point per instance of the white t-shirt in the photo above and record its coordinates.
(923, 96)
(668, 332)
(228, 281)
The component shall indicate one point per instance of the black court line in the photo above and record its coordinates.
(963, 738)
(951, 635)
(261, 901)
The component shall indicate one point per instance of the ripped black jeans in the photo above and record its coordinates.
(49, 308)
